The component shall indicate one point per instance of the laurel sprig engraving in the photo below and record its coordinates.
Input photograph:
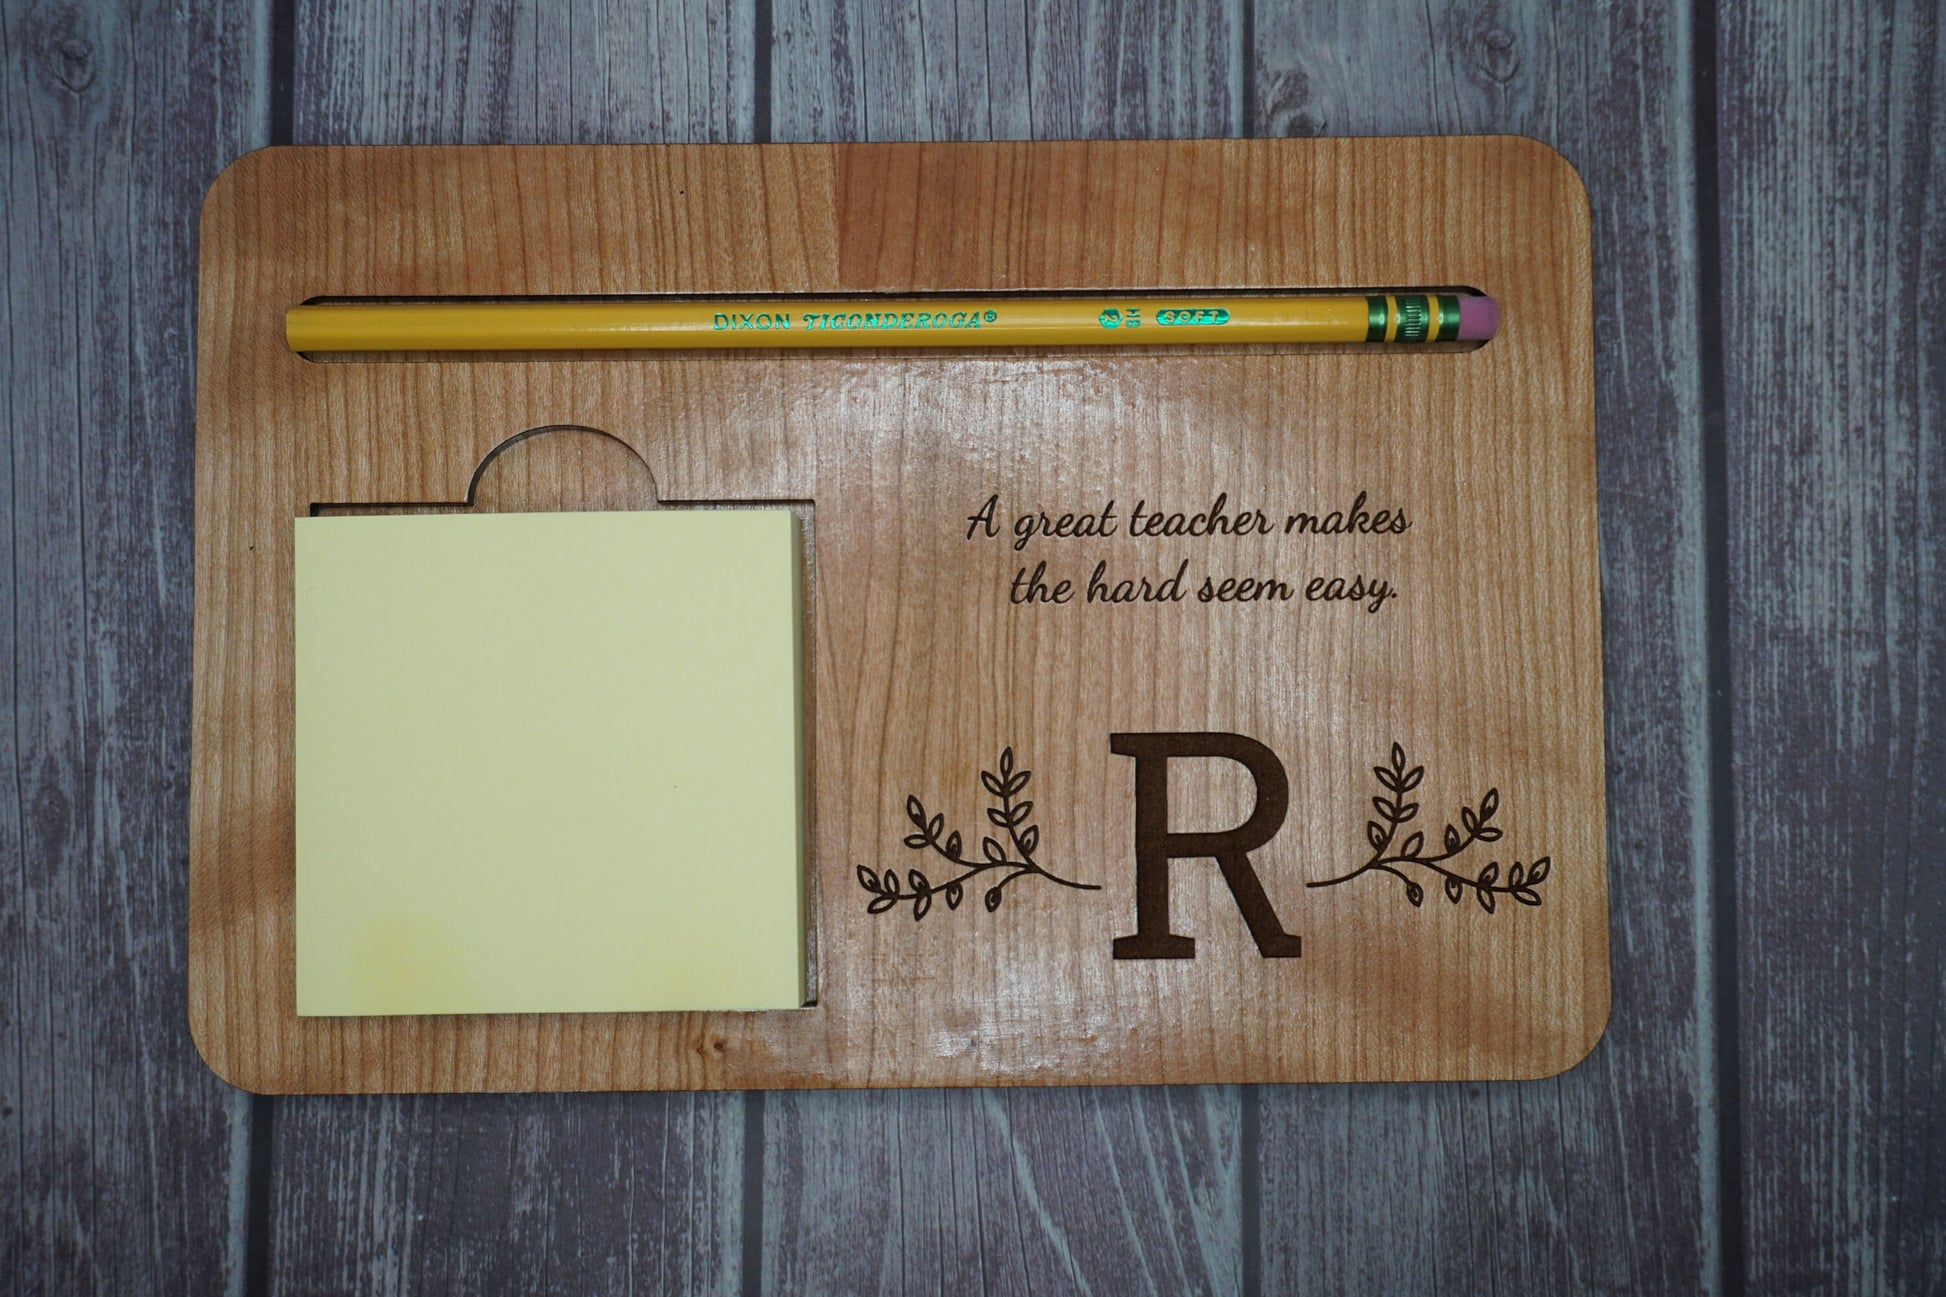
(1521, 881)
(1009, 850)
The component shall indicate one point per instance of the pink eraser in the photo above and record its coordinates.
(1479, 318)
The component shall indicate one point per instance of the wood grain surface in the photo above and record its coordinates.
(123, 1162)
(883, 70)
(1028, 1190)
(507, 1193)
(924, 665)
(1642, 1107)
(1833, 150)
(1024, 1190)
(484, 1182)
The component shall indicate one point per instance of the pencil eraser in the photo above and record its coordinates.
(1479, 318)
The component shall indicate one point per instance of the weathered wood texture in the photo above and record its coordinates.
(122, 1160)
(1088, 1190)
(1131, 1190)
(584, 72)
(1832, 172)
(581, 1193)
(572, 1193)
(1600, 1180)
(968, 70)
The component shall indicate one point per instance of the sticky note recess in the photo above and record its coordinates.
(549, 762)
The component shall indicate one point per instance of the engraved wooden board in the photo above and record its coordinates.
(1361, 781)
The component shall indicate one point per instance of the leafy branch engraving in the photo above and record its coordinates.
(1013, 857)
(1475, 826)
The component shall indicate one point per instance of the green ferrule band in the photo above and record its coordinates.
(1415, 317)
(1448, 317)
(1375, 319)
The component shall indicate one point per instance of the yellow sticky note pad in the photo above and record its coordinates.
(549, 763)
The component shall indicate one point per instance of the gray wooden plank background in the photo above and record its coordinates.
(1831, 162)
(124, 1163)
(1768, 1110)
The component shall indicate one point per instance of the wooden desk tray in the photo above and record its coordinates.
(1392, 740)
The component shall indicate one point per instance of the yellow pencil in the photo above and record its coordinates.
(886, 322)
